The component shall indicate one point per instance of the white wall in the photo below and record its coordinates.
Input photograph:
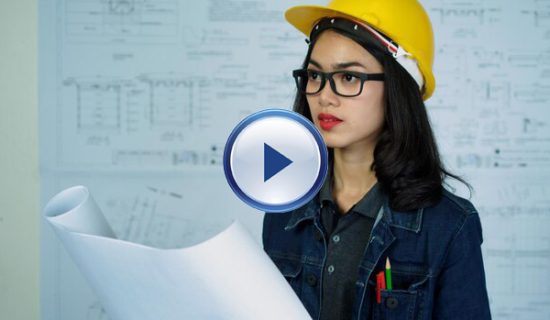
(19, 182)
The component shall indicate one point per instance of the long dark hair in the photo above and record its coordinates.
(407, 163)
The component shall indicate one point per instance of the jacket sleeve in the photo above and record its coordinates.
(266, 229)
(461, 291)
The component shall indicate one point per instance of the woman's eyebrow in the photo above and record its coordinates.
(315, 63)
(344, 65)
(336, 66)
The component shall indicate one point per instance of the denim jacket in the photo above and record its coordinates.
(435, 254)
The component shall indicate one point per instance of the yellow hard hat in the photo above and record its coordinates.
(404, 21)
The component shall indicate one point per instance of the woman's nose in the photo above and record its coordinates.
(327, 96)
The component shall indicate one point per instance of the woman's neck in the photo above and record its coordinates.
(352, 171)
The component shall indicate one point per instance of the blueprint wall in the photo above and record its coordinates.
(138, 97)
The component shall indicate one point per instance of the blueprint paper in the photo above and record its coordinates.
(226, 277)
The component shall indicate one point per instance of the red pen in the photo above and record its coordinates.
(380, 284)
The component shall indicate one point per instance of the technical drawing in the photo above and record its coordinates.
(98, 105)
(121, 20)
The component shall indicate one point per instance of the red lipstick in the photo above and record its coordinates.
(328, 121)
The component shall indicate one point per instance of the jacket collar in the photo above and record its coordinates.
(305, 212)
(407, 220)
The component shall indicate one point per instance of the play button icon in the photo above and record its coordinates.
(275, 160)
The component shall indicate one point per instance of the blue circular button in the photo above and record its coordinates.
(275, 160)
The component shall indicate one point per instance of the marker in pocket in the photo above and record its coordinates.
(380, 284)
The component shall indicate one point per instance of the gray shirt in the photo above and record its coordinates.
(347, 236)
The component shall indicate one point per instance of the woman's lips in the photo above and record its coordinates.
(328, 121)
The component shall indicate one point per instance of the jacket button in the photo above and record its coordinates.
(318, 236)
(391, 302)
(312, 280)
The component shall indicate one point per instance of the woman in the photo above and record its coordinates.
(363, 82)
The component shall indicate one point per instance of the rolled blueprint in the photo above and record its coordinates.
(228, 276)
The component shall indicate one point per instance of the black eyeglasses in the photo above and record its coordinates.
(343, 83)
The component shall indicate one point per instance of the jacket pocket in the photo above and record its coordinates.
(292, 271)
(403, 301)
(396, 304)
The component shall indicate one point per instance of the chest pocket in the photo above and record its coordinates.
(403, 301)
(292, 271)
(396, 304)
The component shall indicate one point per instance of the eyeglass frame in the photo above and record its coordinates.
(328, 75)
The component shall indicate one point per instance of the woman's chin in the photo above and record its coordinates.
(330, 143)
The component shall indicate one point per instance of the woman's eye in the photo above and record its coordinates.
(349, 77)
(312, 75)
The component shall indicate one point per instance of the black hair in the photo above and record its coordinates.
(407, 163)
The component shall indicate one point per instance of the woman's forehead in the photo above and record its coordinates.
(332, 49)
